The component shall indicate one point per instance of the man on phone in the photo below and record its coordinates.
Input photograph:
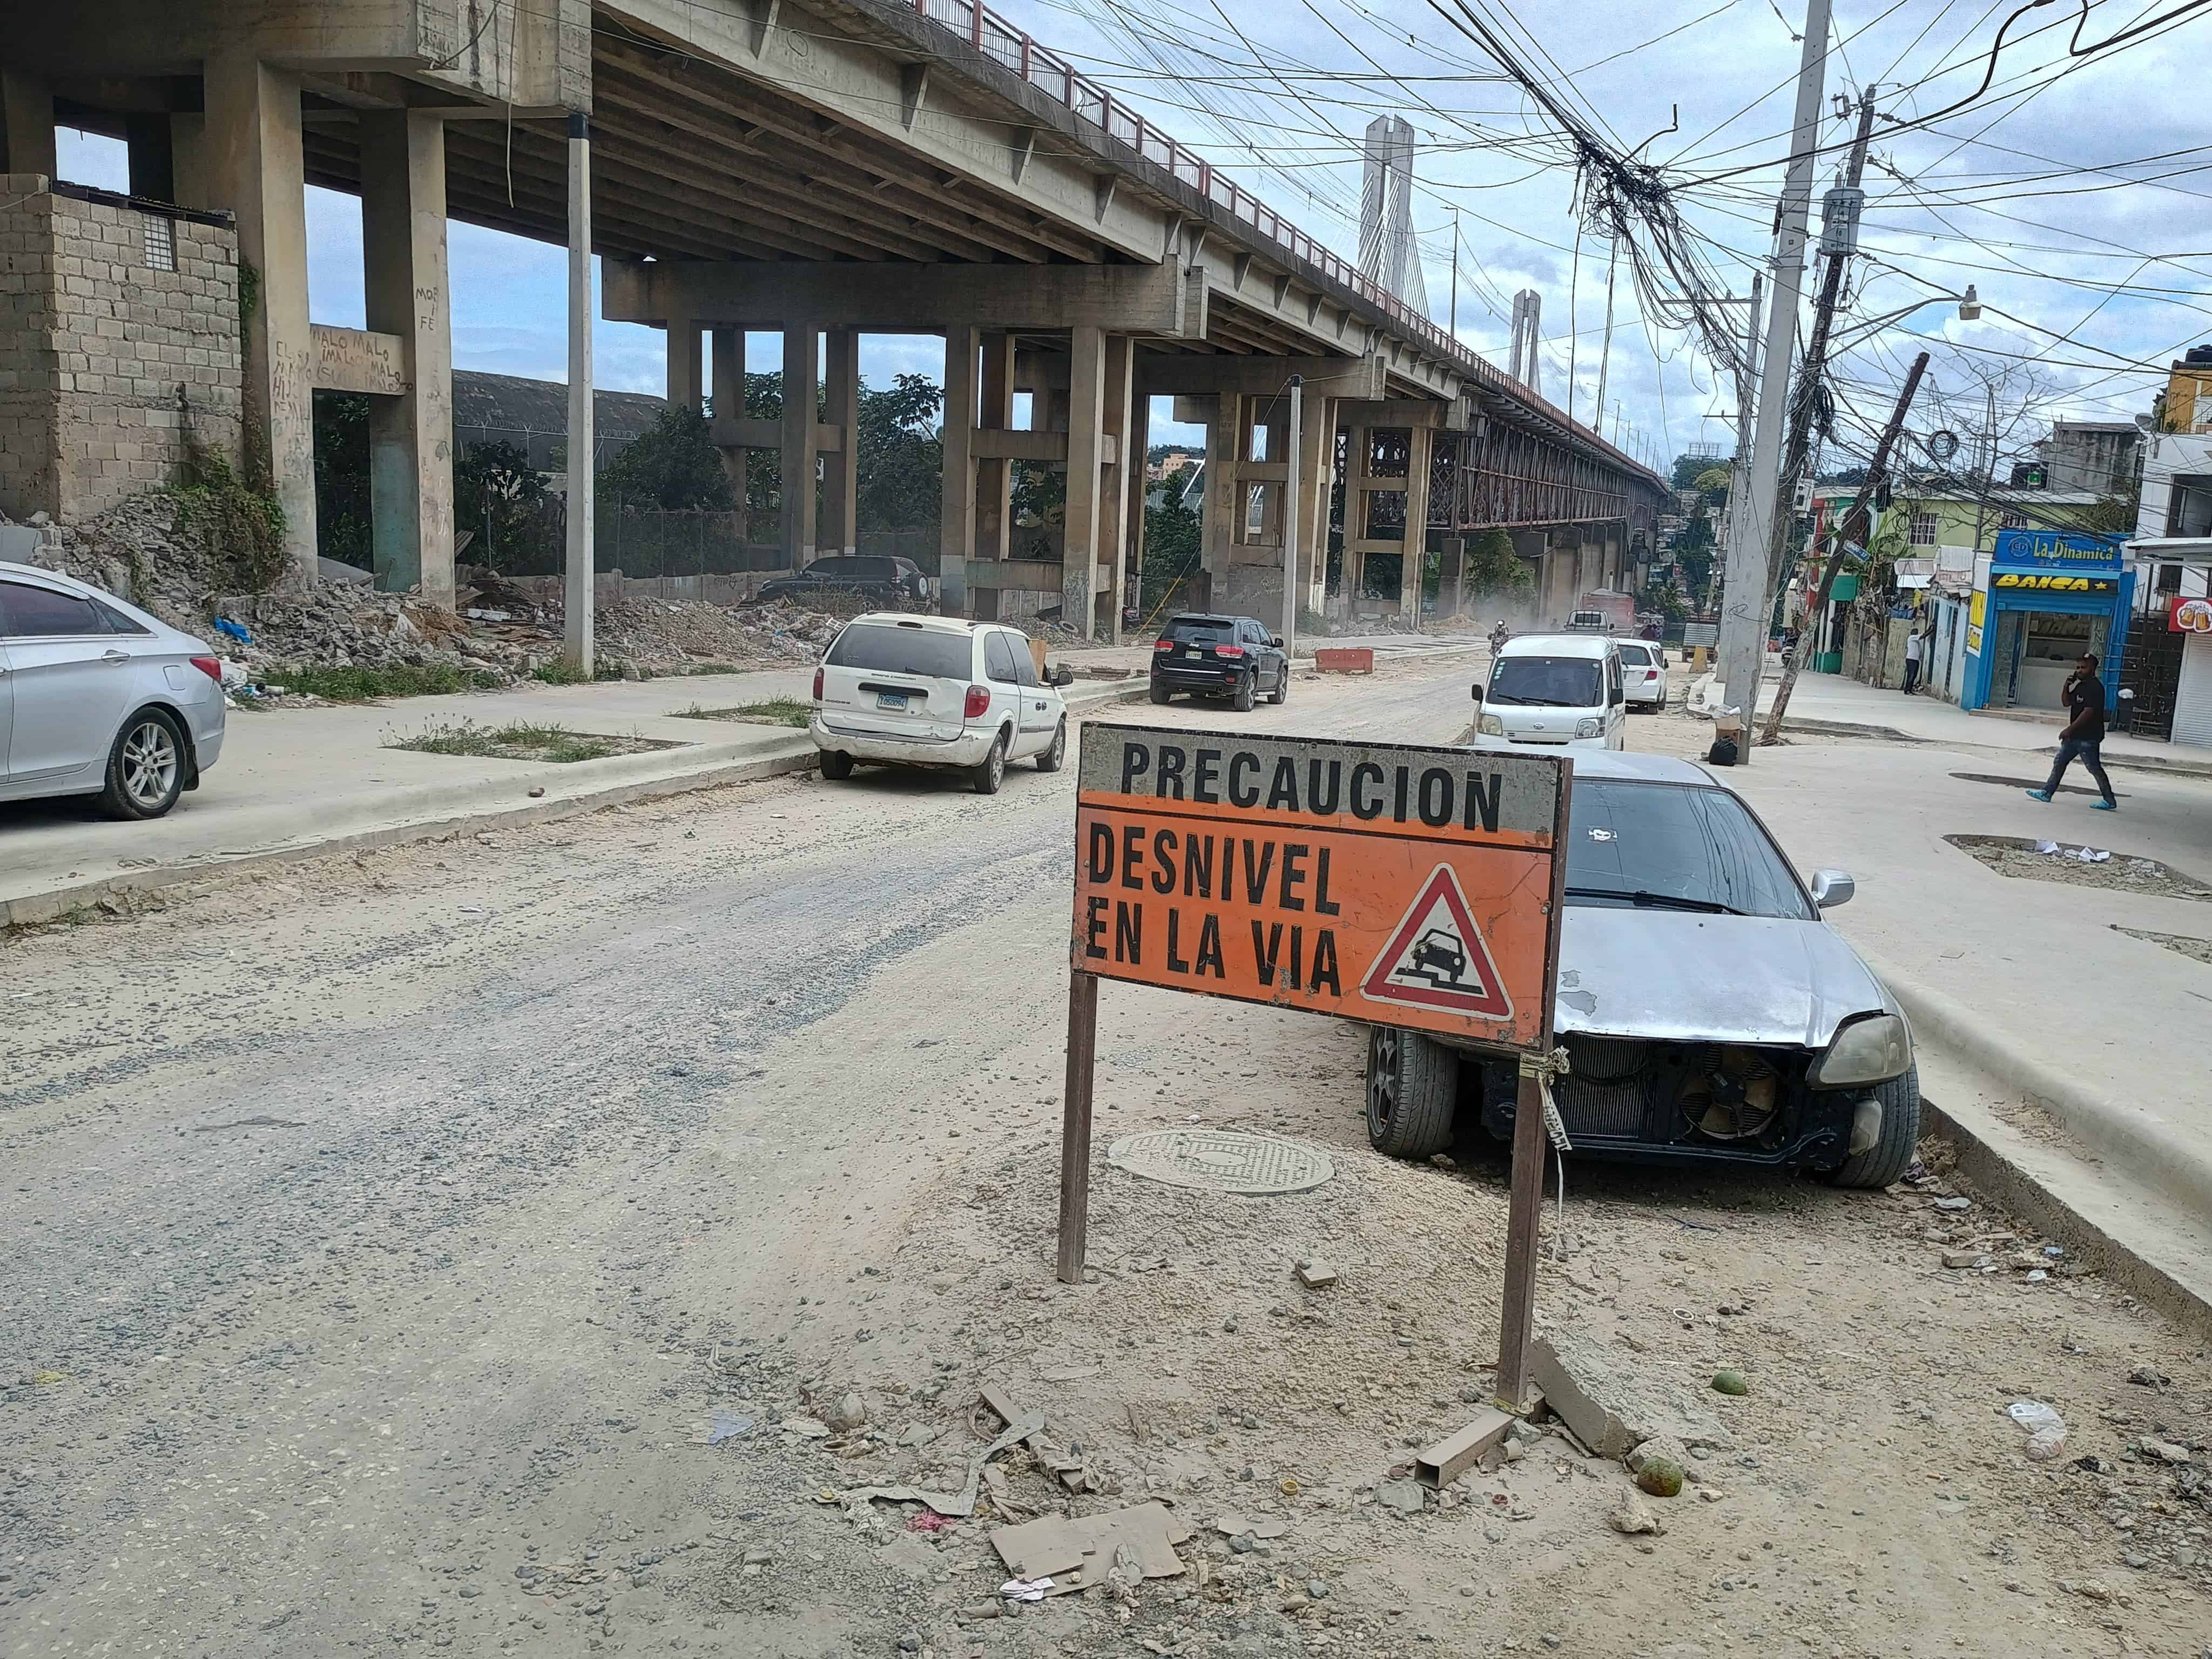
(1913, 646)
(2083, 734)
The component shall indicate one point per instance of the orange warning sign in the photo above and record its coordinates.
(1397, 885)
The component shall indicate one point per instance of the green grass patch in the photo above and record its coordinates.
(522, 740)
(558, 673)
(362, 684)
(776, 711)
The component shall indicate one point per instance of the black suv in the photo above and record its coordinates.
(871, 575)
(1220, 657)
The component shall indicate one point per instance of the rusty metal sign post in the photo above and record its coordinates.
(1394, 885)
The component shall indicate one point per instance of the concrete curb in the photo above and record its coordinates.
(2005, 1182)
(433, 811)
(2108, 1126)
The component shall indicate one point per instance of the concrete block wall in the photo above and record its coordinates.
(95, 342)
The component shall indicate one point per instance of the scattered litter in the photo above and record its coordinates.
(727, 1425)
(2046, 1429)
(2149, 1376)
(2164, 1451)
(1954, 1204)
(961, 1504)
(2046, 847)
(1404, 1495)
(1452, 1457)
(1025, 1590)
(928, 1520)
(807, 1428)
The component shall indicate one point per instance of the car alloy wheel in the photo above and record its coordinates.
(1384, 1056)
(150, 761)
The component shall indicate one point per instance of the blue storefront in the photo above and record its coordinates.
(2046, 597)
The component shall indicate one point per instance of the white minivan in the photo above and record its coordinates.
(1555, 690)
(908, 690)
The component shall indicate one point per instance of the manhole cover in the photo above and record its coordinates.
(1221, 1161)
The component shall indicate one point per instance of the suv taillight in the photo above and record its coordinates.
(1164, 645)
(210, 667)
(978, 704)
(818, 685)
(1228, 650)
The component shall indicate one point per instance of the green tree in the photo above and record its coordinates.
(1693, 556)
(498, 495)
(343, 522)
(1172, 536)
(672, 463)
(1494, 570)
(900, 454)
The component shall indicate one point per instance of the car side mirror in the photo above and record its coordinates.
(1476, 692)
(1831, 888)
(1615, 694)
(1275, 640)
(1063, 675)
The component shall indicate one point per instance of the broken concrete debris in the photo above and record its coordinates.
(1317, 1275)
(1632, 1515)
(1452, 1457)
(1612, 1409)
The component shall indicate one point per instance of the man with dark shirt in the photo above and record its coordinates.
(2083, 734)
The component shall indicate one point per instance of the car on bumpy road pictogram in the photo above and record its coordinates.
(1708, 1014)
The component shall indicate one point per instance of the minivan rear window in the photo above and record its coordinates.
(1548, 682)
(890, 649)
(1200, 631)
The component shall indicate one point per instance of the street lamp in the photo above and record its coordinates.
(1970, 310)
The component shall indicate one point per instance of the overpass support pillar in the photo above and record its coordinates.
(1136, 490)
(796, 486)
(27, 124)
(1451, 577)
(1307, 518)
(995, 474)
(685, 390)
(726, 352)
(956, 523)
(1217, 510)
(410, 437)
(841, 473)
(1097, 423)
(257, 170)
(1413, 566)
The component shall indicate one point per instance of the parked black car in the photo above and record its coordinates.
(1231, 656)
(871, 575)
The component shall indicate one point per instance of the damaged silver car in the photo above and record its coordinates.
(1709, 1014)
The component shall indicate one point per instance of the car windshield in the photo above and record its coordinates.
(1673, 846)
(1550, 682)
(890, 649)
(1200, 630)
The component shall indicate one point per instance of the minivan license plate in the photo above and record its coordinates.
(891, 700)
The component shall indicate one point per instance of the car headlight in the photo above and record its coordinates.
(1589, 728)
(1491, 726)
(1871, 1049)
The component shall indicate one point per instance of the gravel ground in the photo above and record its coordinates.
(392, 1235)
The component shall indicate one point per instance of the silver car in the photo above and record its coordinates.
(99, 698)
(1709, 1014)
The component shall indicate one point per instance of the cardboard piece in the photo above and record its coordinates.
(1079, 1553)
(1452, 1457)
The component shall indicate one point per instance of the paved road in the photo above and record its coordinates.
(371, 1220)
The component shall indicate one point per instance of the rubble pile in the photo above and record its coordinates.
(139, 550)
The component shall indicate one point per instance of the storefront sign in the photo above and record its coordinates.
(2189, 616)
(1975, 608)
(2045, 547)
(2039, 581)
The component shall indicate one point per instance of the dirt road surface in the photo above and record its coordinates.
(426, 1250)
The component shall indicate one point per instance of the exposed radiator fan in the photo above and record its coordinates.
(1731, 1093)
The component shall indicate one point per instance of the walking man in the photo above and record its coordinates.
(2083, 734)
(1912, 648)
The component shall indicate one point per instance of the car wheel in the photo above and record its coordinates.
(1282, 692)
(992, 772)
(836, 764)
(1050, 759)
(1161, 694)
(1244, 697)
(146, 766)
(1891, 1155)
(1412, 1086)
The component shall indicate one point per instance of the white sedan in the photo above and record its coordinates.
(99, 698)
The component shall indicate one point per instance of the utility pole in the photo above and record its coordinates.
(1746, 379)
(1855, 521)
(1291, 523)
(1839, 241)
(1743, 616)
(1455, 291)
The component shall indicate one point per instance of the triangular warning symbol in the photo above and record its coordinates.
(1437, 957)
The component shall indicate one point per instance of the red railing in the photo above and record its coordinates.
(987, 32)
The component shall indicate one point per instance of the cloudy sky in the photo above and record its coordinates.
(2070, 194)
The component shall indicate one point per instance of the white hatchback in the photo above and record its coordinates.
(1644, 673)
(908, 690)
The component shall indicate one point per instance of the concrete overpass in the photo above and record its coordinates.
(820, 170)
